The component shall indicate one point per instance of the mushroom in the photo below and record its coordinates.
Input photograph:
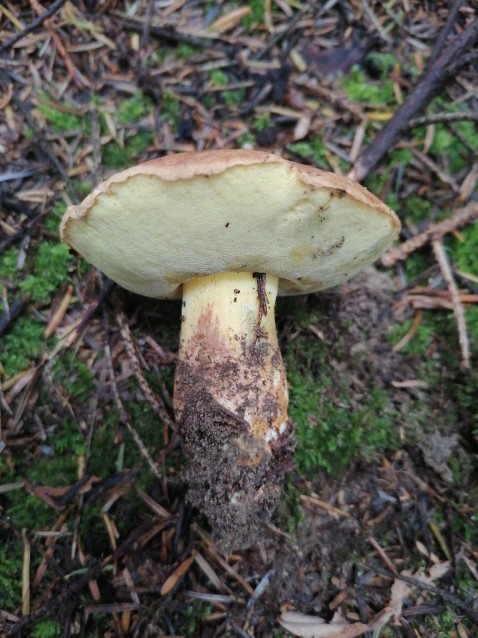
(227, 231)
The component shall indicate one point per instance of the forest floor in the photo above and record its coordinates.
(377, 531)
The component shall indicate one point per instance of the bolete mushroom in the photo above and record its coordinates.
(227, 231)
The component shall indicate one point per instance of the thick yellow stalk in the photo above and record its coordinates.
(229, 346)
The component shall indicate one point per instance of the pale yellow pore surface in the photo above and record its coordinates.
(229, 344)
(150, 234)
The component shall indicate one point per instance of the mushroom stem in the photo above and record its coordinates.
(229, 345)
(231, 403)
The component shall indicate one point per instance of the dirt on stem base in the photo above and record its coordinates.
(234, 477)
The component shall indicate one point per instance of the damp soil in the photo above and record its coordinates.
(233, 477)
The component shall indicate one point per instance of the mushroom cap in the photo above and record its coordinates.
(158, 224)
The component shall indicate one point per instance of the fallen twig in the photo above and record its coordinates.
(447, 118)
(437, 591)
(459, 218)
(444, 33)
(447, 273)
(169, 33)
(410, 334)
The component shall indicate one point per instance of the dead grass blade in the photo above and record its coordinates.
(177, 575)
(26, 574)
(447, 273)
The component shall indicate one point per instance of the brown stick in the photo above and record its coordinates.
(430, 84)
(460, 218)
(437, 118)
(447, 273)
(440, 41)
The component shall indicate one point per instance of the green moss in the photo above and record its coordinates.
(256, 16)
(234, 97)
(465, 253)
(190, 619)
(11, 559)
(113, 156)
(383, 63)
(47, 629)
(61, 468)
(185, 51)
(130, 111)
(471, 316)
(446, 143)
(170, 109)
(313, 149)
(149, 428)
(49, 271)
(60, 121)
(416, 209)
(138, 144)
(290, 510)
(74, 375)
(208, 101)
(262, 122)
(360, 88)
(134, 108)
(52, 220)
(247, 139)
(22, 345)
(28, 512)
(423, 339)
(332, 429)
(148, 425)
(8, 263)
(83, 188)
(416, 264)
(57, 469)
(182, 51)
(231, 97)
(102, 464)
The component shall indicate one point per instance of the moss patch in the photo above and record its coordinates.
(313, 149)
(115, 156)
(170, 109)
(360, 88)
(231, 97)
(61, 121)
(11, 575)
(332, 429)
(134, 108)
(73, 375)
(22, 344)
(49, 270)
